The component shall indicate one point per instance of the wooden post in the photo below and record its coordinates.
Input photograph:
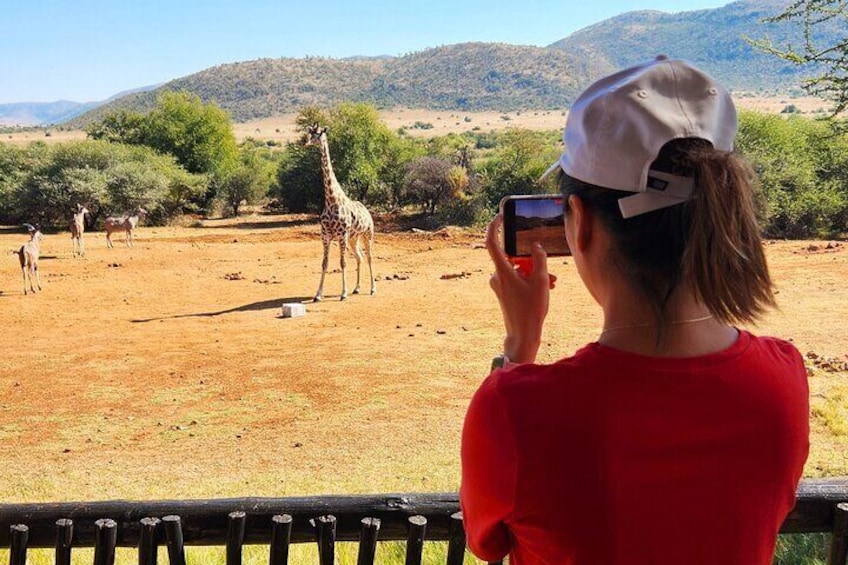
(148, 541)
(19, 535)
(456, 540)
(64, 539)
(281, 525)
(174, 539)
(839, 541)
(368, 541)
(235, 536)
(105, 540)
(415, 540)
(325, 533)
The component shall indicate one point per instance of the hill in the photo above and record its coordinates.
(470, 76)
(715, 40)
(500, 77)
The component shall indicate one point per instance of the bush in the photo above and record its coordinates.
(801, 164)
(299, 185)
(520, 159)
(47, 182)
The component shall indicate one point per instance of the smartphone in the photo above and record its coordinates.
(532, 218)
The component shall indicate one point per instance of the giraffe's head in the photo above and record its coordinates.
(314, 133)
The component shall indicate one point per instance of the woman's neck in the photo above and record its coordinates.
(691, 339)
(688, 328)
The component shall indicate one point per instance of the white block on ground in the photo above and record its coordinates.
(293, 310)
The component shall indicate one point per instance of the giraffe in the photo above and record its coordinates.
(343, 219)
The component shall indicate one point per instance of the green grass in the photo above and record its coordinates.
(802, 549)
(388, 553)
(796, 549)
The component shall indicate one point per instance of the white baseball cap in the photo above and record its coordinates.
(618, 125)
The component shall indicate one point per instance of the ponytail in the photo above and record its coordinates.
(724, 257)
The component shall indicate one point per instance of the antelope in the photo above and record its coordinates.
(77, 229)
(125, 223)
(28, 255)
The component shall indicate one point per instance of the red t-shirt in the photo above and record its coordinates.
(613, 458)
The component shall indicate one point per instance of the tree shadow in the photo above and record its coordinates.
(272, 304)
(272, 224)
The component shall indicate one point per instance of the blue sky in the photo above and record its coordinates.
(88, 50)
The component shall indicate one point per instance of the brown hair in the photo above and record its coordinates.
(712, 241)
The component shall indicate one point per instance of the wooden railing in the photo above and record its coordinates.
(822, 506)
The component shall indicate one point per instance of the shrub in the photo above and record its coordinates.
(801, 164)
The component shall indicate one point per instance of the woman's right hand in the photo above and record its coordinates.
(523, 299)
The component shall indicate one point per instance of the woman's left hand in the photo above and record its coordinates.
(523, 299)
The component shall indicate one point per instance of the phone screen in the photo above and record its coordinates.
(534, 218)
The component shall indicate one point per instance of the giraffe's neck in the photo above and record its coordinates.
(333, 192)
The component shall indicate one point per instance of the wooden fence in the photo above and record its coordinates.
(822, 506)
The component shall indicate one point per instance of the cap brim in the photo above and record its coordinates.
(551, 170)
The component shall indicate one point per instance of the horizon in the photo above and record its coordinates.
(65, 55)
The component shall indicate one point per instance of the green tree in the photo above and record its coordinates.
(428, 183)
(358, 147)
(299, 185)
(368, 159)
(122, 126)
(15, 165)
(801, 165)
(520, 159)
(829, 58)
(199, 135)
(248, 181)
(105, 177)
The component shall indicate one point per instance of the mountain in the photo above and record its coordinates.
(500, 77)
(37, 113)
(468, 76)
(715, 40)
(45, 113)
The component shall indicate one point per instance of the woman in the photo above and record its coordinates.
(674, 438)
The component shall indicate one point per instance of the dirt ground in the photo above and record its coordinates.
(166, 371)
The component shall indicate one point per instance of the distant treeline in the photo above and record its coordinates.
(182, 158)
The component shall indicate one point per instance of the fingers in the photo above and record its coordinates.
(540, 265)
(493, 245)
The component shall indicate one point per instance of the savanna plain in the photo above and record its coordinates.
(165, 371)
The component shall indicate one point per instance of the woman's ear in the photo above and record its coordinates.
(578, 224)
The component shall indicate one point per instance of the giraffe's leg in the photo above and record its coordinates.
(37, 277)
(82, 247)
(320, 294)
(343, 241)
(357, 251)
(368, 242)
(24, 273)
(109, 239)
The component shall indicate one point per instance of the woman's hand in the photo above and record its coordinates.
(523, 299)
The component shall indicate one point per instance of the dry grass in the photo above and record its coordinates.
(281, 129)
(162, 378)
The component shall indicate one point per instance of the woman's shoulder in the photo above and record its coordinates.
(774, 349)
(522, 375)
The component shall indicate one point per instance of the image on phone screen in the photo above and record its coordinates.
(530, 219)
